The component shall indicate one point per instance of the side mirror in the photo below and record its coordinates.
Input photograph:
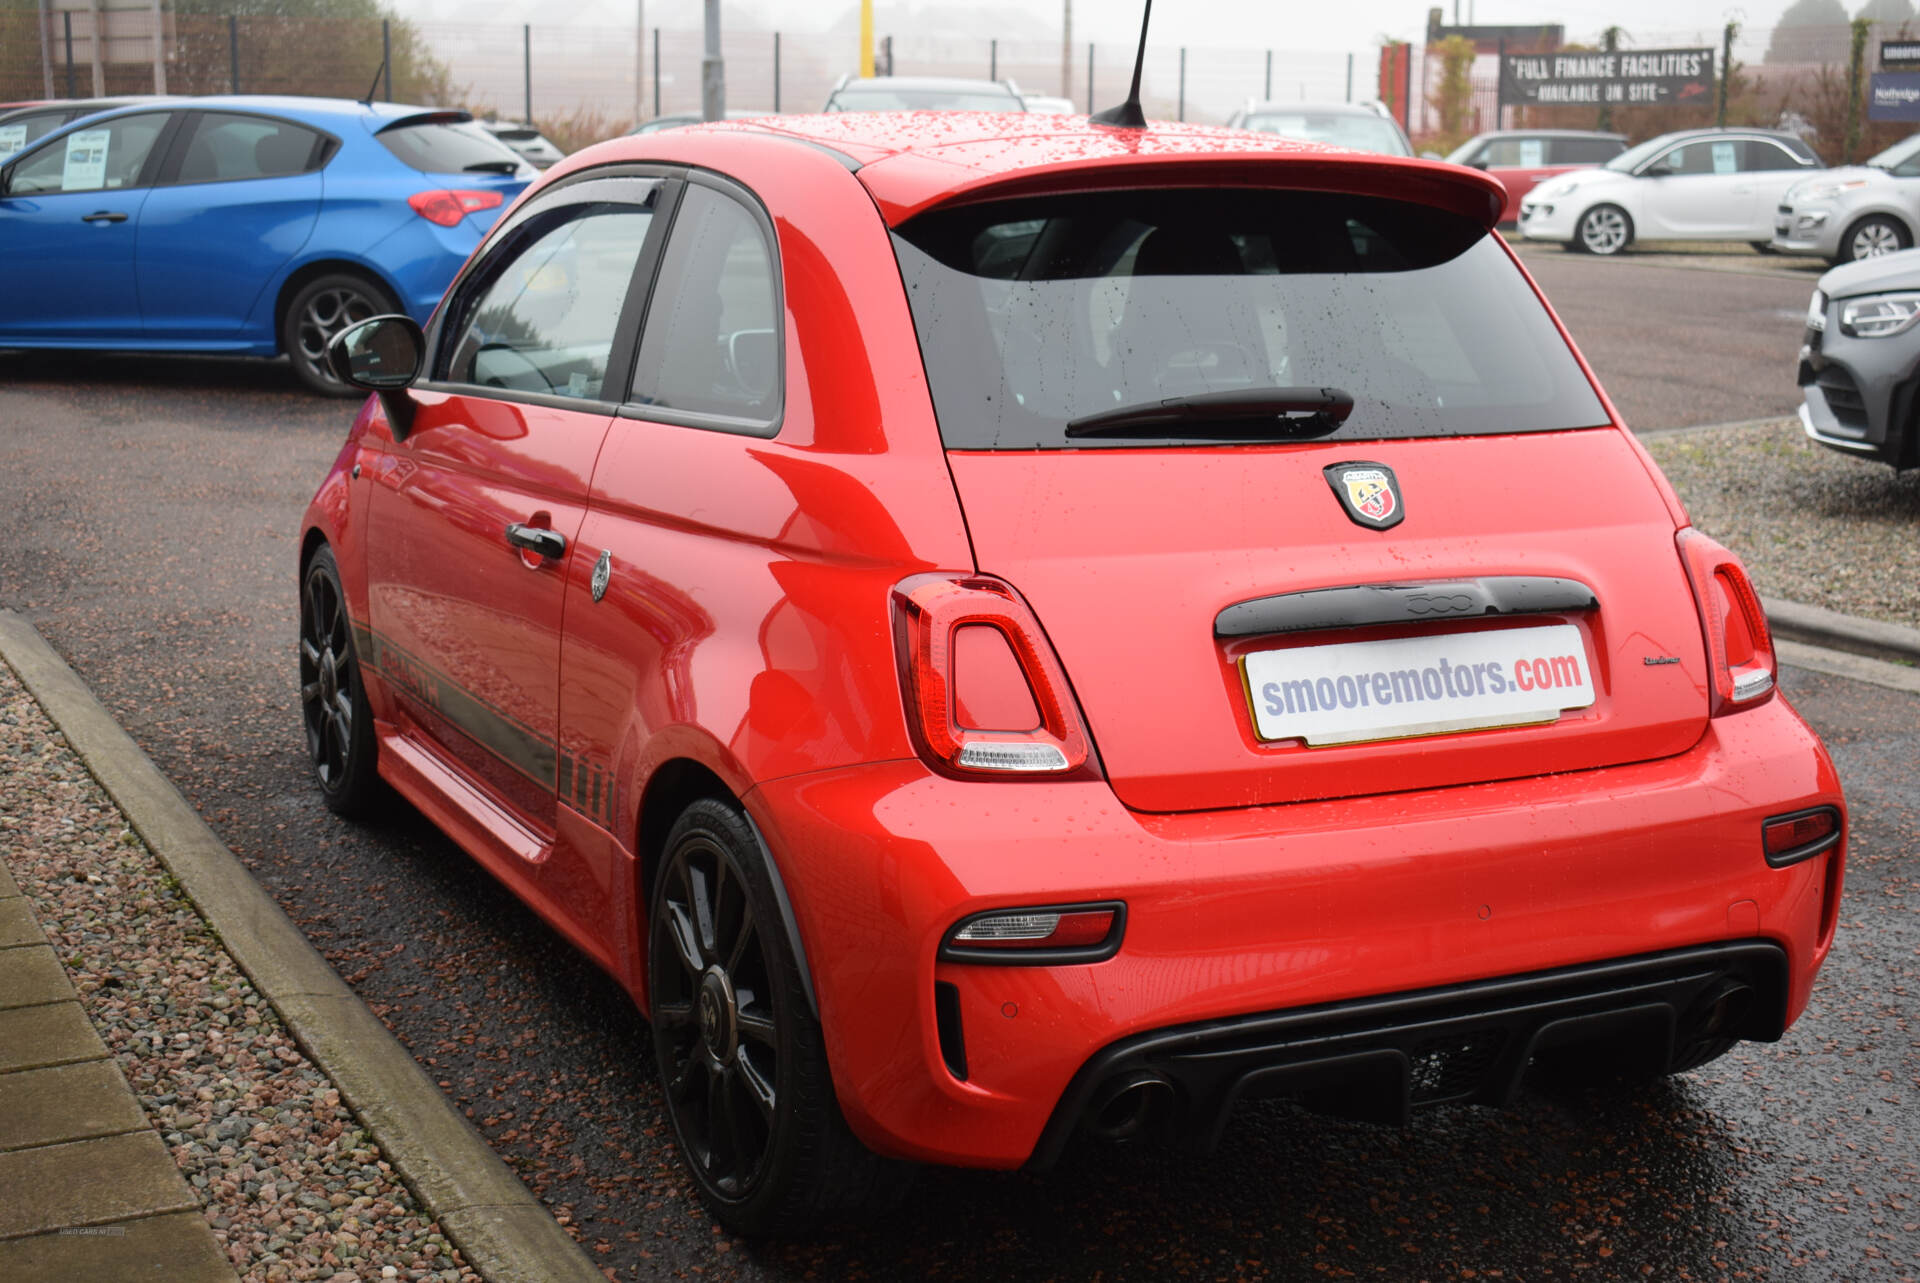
(1479, 163)
(383, 355)
(1661, 170)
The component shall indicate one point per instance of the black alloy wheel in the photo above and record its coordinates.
(333, 703)
(741, 1058)
(321, 309)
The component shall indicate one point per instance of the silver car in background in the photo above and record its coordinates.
(1860, 361)
(1854, 212)
(1361, 126)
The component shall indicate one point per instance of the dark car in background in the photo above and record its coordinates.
(1522, 158)
(251, 226)
(681, 119)
(1860, 363)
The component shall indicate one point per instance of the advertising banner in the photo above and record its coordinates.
(1900, 55)
(1637, 77)
(1894, 95)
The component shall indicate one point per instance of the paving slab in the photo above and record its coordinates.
(8, 890)
(56, 1033)
(66, 1102)
(18, 925)
(30, 976)
(174, 1248)
(89, 1182)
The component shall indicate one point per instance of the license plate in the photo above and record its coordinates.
(1426, 685)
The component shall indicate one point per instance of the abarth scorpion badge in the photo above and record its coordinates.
(1368, 492)
(602, 571)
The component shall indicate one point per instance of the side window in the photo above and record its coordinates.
(712, 339)
(1585, 151)
(1694, 158)
(226, 146)
(105, 158)
(1761, 155)
(545, 312)
(1504, 152)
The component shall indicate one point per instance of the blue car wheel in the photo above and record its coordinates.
(323, 307)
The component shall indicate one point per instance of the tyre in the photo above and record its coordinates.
(1604, 229)
(319, 310)
(1871, 237)
(333, 701)
(1761, 247)
(743, 1066)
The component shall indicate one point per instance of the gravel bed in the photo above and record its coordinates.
(1811, 524)
(293, 1186)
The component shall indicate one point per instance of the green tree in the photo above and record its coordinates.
(1454, 97)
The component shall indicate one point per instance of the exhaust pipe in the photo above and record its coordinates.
(1128, 1105)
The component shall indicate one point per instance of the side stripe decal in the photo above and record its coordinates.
(581, 782)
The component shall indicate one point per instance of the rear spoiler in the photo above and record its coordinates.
(450, 116)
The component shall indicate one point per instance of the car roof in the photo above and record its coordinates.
(1278, 105)
(955, 84)
(911, 161)
(1551, 133)
(316, 110)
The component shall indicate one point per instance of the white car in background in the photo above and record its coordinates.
(1855, 212)
(1361, 126)
(1698, 184)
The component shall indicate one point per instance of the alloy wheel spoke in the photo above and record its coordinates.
(756, 1086)
(740, 943)
(309, 652)
(720, 1129)
(310, 692)
(754, 1024)
(686, 941)
(702, 903)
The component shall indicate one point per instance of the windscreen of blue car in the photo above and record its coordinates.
(1034, 313)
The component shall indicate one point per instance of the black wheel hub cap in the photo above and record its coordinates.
(717, 1012)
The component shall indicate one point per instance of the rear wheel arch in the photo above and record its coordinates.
(306, 272)
(670, 790)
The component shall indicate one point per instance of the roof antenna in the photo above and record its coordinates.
(1128, 114)
(384, 59)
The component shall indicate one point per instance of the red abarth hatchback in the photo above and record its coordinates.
(994, 627)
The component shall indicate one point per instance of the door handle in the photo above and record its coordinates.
(104, 216)
(550, 544)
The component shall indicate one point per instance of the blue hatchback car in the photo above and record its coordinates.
(244, 225)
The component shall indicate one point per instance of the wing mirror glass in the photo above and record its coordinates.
(1660, 170)
(383, 355)
(380, 354)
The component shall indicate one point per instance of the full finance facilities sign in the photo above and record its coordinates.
(1634, 77)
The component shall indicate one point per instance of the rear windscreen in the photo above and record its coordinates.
(1034, 313)
(450, 149)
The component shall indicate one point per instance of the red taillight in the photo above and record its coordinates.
(1043, 934)
(985, 694)
(1739, 646)
(448, 207)
(1789, 839)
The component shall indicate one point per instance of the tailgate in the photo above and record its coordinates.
(1128, 557)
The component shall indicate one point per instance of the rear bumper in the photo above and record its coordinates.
(1252, 912)
(1377, 1059)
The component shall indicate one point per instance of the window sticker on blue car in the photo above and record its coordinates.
(12, 139)
(86, 166)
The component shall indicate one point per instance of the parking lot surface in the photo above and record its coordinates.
(153, 509)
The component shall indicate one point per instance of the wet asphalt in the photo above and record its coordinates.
(151, 515)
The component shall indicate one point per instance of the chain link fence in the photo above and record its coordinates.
(585, 83)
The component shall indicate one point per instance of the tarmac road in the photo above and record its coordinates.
(1712, 342)
(151, 511)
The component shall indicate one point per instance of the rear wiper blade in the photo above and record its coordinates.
(493, 167)
(1250, 414)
